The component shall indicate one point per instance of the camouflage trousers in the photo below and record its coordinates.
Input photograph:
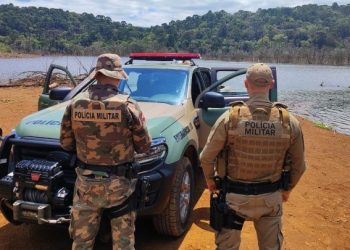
(265, 210)
(91, 196)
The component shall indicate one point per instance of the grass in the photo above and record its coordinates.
(323, 126)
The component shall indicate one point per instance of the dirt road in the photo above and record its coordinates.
(316, 217)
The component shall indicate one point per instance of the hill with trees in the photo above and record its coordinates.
(317, 34)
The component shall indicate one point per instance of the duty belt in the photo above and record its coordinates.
(119, 170)
(252, 188)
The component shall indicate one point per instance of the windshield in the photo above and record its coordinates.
(155, 85)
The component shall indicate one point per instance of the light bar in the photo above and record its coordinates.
(163, 56)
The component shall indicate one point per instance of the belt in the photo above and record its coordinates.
(252, 188)
(119, 170)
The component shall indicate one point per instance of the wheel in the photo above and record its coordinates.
(174, 220)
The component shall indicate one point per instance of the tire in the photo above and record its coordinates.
(174, 220)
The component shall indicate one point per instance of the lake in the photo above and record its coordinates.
(317, 92)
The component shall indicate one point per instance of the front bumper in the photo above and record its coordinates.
(30, 211)
(24, 211)
(161, 180)
(159, 174)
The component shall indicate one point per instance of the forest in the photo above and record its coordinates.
(311, 34)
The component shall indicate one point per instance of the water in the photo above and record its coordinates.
(317, 92)
(12, 67)
(331, 107)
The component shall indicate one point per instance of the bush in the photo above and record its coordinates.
(4, 48)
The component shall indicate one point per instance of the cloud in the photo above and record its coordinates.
(146, 13)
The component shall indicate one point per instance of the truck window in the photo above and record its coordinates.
(196, 87)
(234, 86)
(59, 78)
(206, 78)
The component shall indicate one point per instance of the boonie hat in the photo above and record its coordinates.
(110, 65)
(259, 74)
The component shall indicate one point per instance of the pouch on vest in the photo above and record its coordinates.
(286, 176)
(221, 163)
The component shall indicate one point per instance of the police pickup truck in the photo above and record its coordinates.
(181, 102)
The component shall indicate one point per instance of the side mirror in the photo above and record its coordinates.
(212, 100)
(59, 94)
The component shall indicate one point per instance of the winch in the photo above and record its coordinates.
(37, 180)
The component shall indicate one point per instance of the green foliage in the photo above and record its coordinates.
(304, 34)
(4, 48)
(323, 126)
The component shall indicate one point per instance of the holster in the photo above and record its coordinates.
(127, 206)
(233, 220)
(137, 199)
(217, 212)
(221, 215)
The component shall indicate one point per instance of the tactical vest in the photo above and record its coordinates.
(101, 130)
(258, 139)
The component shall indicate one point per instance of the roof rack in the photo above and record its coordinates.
(163, 57)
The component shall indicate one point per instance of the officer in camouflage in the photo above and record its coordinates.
(257, 137)
(104, 127)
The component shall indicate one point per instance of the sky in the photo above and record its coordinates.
(146, 13)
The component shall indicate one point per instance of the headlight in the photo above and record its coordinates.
(157, 151)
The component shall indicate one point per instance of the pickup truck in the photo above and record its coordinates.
(181, 102)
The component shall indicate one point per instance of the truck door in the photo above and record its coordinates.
(56, 77)
(227, 86)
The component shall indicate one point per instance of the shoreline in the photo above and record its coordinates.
(318, 123)
(14, 55)
(37, 89)
(17, 55)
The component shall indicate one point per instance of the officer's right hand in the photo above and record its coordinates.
(285, 196)
(211, 185)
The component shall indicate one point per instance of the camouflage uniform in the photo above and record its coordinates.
(105, 128)
(257, 136)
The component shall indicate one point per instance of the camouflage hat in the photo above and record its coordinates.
(109, 65)
(259, 74)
